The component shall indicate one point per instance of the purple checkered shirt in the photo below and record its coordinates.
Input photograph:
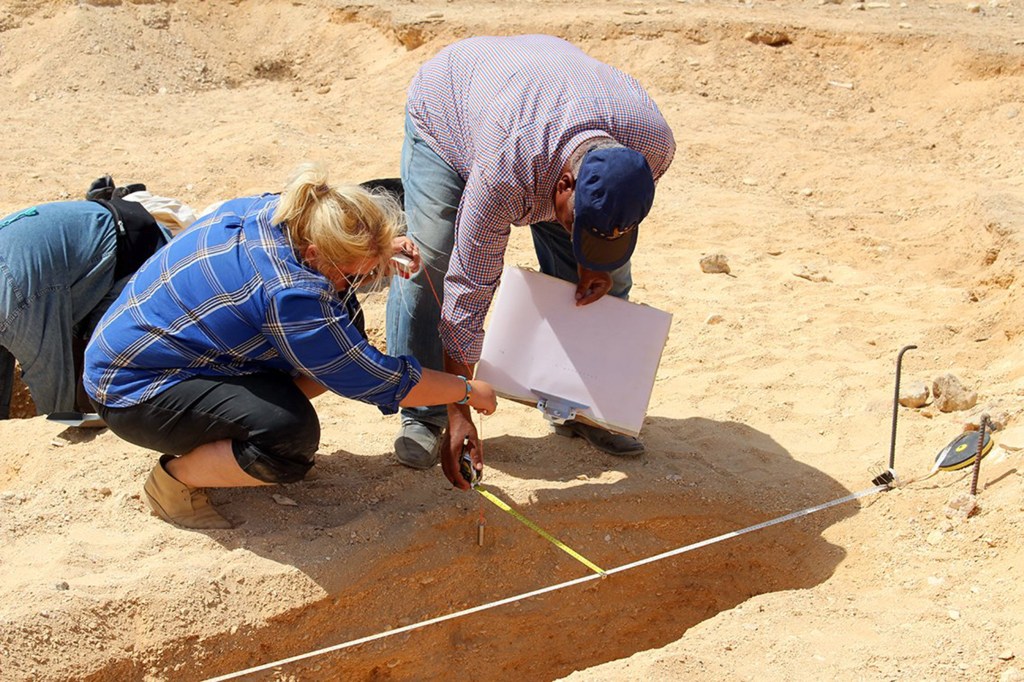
(506, 114)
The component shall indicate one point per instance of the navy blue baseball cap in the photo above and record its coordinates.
(614, 192)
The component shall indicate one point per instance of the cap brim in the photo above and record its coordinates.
(595, 253)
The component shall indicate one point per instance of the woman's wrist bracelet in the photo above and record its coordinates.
(469, 389)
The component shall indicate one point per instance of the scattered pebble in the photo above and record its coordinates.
(954, 614)
(62, 586)
(770, 38)
(961, 505)
(285, 501)
(715, 263)
(714, 319)
(811, 274)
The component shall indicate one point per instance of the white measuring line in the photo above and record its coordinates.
(551, 588)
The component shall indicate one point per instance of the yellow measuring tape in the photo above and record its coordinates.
(540, 531)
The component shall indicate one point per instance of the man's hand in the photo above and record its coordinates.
(460, 426)
(405, 247)
(593, 285)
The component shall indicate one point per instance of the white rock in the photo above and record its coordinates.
(285, 501)
(914, 394)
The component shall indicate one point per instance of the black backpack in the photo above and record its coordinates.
(138, 234)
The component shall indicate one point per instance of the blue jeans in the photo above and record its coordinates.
(433, 191)
(56, 269)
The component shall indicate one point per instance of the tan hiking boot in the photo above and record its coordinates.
(173, 501)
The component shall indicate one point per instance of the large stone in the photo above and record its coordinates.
(914, 395)
(950, 394)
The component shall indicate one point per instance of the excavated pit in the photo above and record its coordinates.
(538, 638)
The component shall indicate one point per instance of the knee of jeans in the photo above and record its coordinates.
(280, 456)
(274, 466)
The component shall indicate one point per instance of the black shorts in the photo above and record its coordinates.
(273, 427)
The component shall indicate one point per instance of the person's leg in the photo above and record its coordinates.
(432, 194)
(43, 345)
(6, 382)
(553, 245)
(227, 432)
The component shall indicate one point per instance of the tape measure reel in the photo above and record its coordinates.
(961, 451)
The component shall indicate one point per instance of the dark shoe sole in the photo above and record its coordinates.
(570, 432)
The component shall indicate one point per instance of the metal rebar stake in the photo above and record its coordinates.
(982, 430)
(896, 406)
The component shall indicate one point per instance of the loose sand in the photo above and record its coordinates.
(862, 169)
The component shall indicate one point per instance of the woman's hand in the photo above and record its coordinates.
(482, 397)
(403, 247)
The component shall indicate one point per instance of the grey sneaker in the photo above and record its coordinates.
(418, 445)
(616, 444)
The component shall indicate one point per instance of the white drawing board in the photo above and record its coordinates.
(604, 355)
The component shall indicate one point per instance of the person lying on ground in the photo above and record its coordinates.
(212, 352)
(500, 131)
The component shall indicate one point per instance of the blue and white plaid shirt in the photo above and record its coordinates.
(229, 297)
(506, 114)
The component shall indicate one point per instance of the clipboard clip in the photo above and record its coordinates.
(557, 410)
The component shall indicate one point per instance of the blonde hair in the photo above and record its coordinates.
(347, 224)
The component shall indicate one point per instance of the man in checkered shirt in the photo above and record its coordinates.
(525, 130)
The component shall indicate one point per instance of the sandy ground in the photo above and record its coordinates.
(860, 166)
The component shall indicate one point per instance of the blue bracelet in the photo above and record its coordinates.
(469, 389)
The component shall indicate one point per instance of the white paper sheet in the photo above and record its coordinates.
(604, 355)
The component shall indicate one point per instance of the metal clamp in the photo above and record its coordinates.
(555, 409)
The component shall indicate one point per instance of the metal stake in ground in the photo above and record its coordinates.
(896, 405)
(977, 457)
(888, 476)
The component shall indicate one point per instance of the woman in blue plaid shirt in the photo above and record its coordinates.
(213, 350)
